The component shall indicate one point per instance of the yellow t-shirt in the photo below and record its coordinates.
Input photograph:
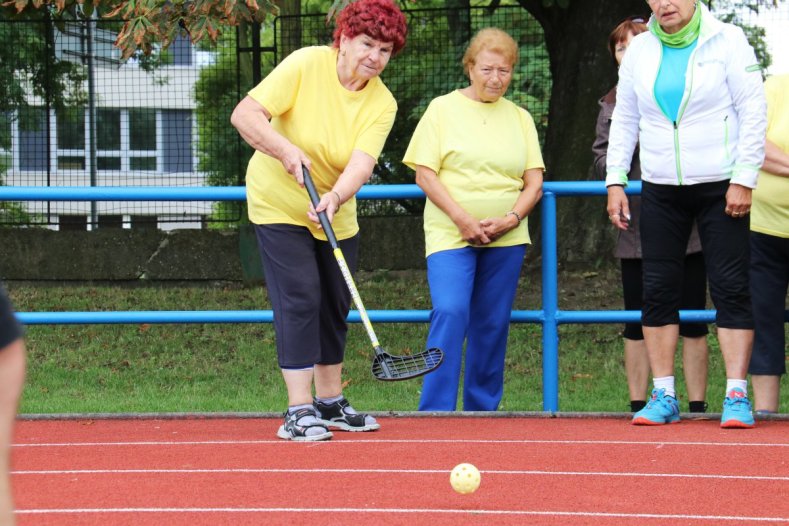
(315, 112)
(479, 152)
(770, 208)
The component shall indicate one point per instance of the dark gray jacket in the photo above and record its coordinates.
(628, 245)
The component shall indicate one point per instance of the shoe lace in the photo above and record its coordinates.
(737, 403)
(659, 398)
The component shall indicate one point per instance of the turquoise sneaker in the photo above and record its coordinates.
(737, 411)
(661, 409)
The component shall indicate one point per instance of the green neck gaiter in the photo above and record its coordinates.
(682, 38)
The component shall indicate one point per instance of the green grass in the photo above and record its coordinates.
(232, 367)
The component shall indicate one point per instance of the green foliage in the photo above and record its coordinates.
(222, 154)
(30, 73)
(736, 13)
(11, 212)
(30, 68)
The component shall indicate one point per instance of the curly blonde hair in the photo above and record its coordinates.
(490, 39)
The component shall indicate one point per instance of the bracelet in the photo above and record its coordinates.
(514, 213)
(339, 199)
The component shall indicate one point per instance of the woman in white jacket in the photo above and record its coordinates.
(690, 93)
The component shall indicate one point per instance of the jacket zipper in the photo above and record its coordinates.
(682, 112)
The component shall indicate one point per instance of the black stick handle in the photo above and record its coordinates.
(315, 198)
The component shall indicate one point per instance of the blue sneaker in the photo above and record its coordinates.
(737, 411)
(661, 409)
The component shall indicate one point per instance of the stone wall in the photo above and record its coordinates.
(394, 243)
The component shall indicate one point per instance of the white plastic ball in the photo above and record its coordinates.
(465, 478)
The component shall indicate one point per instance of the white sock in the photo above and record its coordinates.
(667, 383)
(329, 401)
(732, 383)
(309, 420)
(293, 408)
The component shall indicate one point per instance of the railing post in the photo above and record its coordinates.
(550, 306)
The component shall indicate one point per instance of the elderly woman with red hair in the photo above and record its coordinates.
(324, 108)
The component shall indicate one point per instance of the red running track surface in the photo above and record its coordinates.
(534, 471)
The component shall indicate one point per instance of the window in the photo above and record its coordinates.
(108, 129)
(5, 141)
(71, 139)
(142, 139)
(181, 50)
(177, 140)
(108, 139)
(108, 163)
(33, 144)
(142, 163)
(133, 139)
(142, 129)
(71, 129)
(126, 139)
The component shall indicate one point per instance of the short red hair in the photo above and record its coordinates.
(378, 19)
(632, 24)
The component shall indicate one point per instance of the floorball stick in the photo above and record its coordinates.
(385, 366)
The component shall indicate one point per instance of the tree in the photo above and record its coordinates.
(29, 70)
(148, 23)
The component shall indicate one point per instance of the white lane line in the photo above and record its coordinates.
(407, 511)
(393, 441)
(320, 471)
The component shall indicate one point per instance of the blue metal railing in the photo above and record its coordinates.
(550, 317)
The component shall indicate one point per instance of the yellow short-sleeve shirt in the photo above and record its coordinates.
(770, 208)
(315, 112)
(479, 152)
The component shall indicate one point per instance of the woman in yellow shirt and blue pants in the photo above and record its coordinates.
(477, 158)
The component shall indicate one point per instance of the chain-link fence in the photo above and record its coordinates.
(429, 66)
(71, 113)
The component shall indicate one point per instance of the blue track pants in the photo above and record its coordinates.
(472, 290)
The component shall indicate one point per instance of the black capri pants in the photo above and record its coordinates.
(694, 294)
(667, 215)
(10, 329)
(769, 282)
(308, 294)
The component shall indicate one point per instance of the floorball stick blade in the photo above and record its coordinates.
(389, 367)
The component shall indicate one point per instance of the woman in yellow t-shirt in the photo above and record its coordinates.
(770, 252)
(477, 158)
(324, 108)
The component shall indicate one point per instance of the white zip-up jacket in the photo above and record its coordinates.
(720, 129)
